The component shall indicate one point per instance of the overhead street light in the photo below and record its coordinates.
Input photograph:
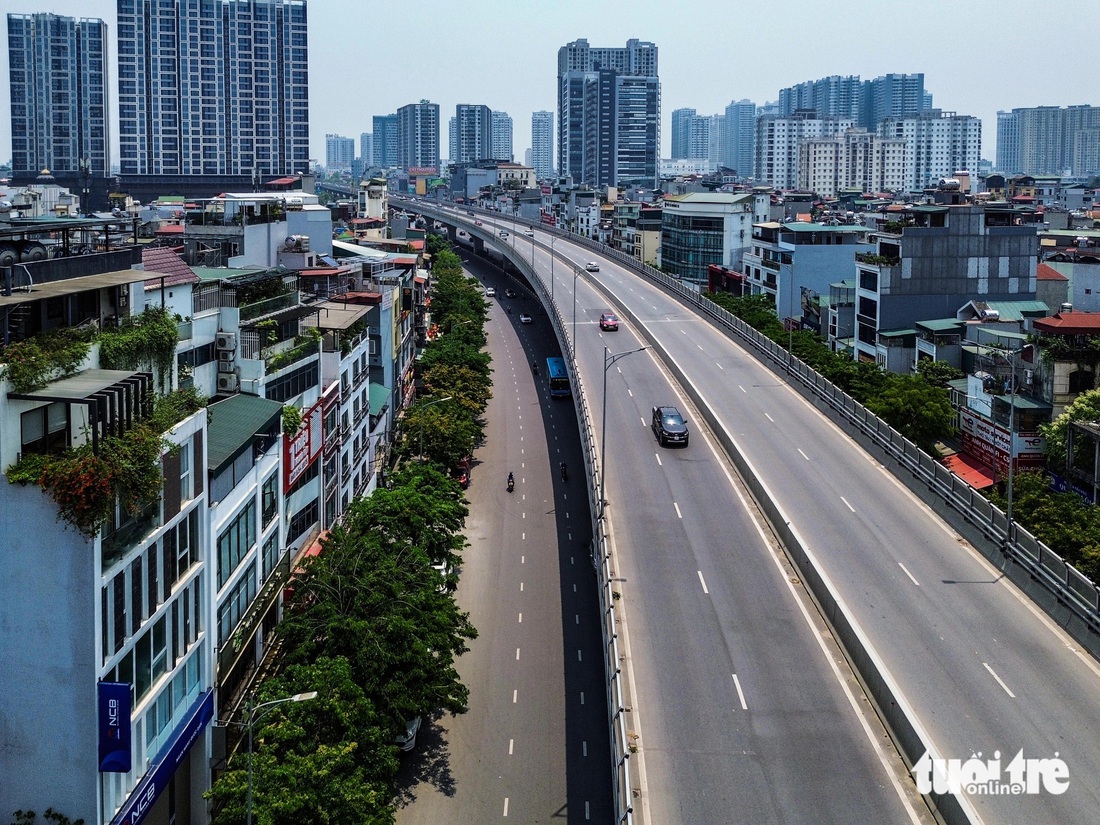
(254, 716)
(609, 358)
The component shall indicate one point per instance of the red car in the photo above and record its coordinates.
(609, 321)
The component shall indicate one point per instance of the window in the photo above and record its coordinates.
(185, 472)
(271, 554)
(270, 501)
(236, 604)
(236, 541)
(46, 429)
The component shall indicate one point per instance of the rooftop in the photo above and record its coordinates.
(234, 423)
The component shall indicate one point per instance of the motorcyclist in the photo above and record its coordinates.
(535, 367)
(564, 472)
(511, 482)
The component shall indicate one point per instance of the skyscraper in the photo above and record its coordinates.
(866, 102)
(739, 137)
(542, 144)
(937, 144)
(1049, 140)
(609, 112)
(213, 89)
(385, 140)
(59, 108)
(452, 140)
(366, 148)
(418, 137)
(501, 141)
(473, 133)
(339, 152)
(681, 133)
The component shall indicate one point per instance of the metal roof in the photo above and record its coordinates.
(379, 398)
(73, 286)
(333, 315)
(941, 324)
(233, 424)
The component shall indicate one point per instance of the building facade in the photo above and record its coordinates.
(211, 90)
(542, 144)
(738, 143)
(60, 112)
(385, 141)
(473, 133)
(1049, 140)
(339, 153)
(501, 136)
(699, 229)
(937, 145)
(609, 110)
(366, 149)
(418, 137)
(778, 140)
(856, 159)
(866, 102)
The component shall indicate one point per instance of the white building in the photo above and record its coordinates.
(856, 159)
(702, 228)
(937, 143)
(778, 140)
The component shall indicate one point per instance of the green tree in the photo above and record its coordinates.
(470, 389)
(1086, 407)
(938, 373)
(445, 431)
(919, 411)
(50, 815)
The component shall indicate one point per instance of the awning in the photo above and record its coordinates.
(970, 470)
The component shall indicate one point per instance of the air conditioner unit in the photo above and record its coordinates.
(225, 355)
(226, 366)
(228, 382)
(226, 340)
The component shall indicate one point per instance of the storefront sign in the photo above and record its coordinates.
(113, 699)
(302, 449)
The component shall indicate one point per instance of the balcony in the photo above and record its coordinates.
(872, 259)
(770, 264)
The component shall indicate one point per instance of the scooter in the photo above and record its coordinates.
(511, 484)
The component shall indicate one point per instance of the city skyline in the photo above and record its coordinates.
(963, 68)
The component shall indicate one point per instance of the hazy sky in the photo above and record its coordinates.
(368, 57)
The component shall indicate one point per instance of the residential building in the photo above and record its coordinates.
(739, 138)
(937, 144)
(452, 140)
(930, 260)
(385, 141)
(796, 263)
(542, 144)
(636, 230)
(1049, 140)
(60, 111)
(212, 94)
(609, 108)
(699, 229)
(418, 138)
(681, 133)
(857, 159)
(778, 140)
(339, 153)
(473, 133)
(501, 136)
(866, 102)
(366, 149)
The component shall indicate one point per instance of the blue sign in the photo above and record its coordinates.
(166, 762)
(113, 701)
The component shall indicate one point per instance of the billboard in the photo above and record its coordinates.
(300, 451)
(113, 701)
(423, 170)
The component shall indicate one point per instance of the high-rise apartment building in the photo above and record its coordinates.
(866, 102)
(1049, 140)
(212, 91)
(681, 133)
(418, 137)
(856, 159)
(473, 133)
(452, 140)
(542, 144)
(501, 139)
(366, 148)
(937, 144)
(609, 111)
(385, 140)
(339, 152)
(739, 137)
(778, 139)
(59, 107)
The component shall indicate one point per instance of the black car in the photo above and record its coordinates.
(669, 426)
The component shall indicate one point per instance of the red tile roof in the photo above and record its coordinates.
(171, 229)
(167, 264)
(1044, 272)
(1069, 323)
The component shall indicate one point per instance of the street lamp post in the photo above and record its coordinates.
(422, 408)
(609, 358)
(252, 719)
(576, 272)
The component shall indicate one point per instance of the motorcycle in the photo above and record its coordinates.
(534, 368)
(564, 472)
(511, 484)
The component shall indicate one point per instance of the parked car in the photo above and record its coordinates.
(609, 322)
(669, 426)
(524, 318)
(477, 223)
(592, 266)
(490, 292)
(407, 741)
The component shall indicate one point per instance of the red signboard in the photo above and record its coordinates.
(423, 170)
(302, 450)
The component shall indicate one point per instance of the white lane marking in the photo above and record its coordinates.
(740, 694)
(506, 806)
(999, 682)
(910, 575)
(700, 348)
(700, 572)
(521, 587)
(803, 454)
(769, 418)
(678, 513)
(587, 813)
(742, 389)
(584, 747)
(511, 746)
(582, 697)
(523, 559)
(658, 457)
(576, 618)
(628, 392)
(849, 506)
(520, 618)
(515, 696)
(682, 332)
(643, 422)
(517, 654)
(578, 655)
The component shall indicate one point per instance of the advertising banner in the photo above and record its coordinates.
(302, 449)
(113, 700)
